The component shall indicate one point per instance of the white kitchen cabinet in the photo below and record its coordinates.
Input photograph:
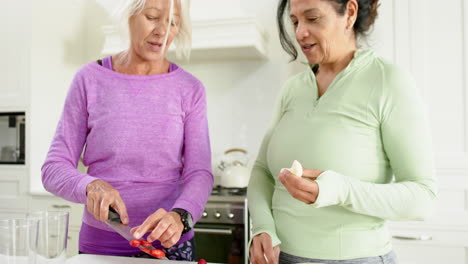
(72, 242)
(423, 243)
(43, 48)
(15, 21)
(9, 214)
(13, 190)
(440, 73)
(14, 65)
(414, 253)
(53, 203)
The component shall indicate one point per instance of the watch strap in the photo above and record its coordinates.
(184, 215)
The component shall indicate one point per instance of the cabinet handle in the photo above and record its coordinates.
(57, 206)
(213, 231)
(418, 238)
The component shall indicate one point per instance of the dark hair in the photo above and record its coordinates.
(367, 13)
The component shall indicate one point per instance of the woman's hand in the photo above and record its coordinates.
(99, 196)
(164, 226)
(262, 251)
(302, 189)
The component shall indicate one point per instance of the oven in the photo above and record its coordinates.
(222, 234)
(12, 138)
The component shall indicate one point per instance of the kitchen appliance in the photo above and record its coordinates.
(222, 234)
(233, 168)
(12, 138)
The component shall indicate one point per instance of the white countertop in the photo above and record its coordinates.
(99, 259)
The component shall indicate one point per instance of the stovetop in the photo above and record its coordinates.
(228, 199)
(228, 195)
(227, 191)
(226, 205)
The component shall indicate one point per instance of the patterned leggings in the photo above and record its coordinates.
(184, 251)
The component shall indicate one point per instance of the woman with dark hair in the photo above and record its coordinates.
(358, 126)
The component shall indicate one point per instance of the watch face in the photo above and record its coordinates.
(189, 220)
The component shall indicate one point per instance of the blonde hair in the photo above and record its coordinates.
(183, 40)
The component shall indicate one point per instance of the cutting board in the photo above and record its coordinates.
(99, 259)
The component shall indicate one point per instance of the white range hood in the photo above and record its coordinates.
(228, 33)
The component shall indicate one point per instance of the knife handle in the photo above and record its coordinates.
(114, 216)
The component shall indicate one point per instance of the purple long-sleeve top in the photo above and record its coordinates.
(146, 135)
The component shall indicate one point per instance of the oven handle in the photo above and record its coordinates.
(213, 231)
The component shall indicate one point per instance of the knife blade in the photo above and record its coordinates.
(115, 223)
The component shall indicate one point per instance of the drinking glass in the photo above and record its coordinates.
(17, 240)
(52, 233)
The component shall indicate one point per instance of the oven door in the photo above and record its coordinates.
(220, 243)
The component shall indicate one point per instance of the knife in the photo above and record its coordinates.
(115, 223)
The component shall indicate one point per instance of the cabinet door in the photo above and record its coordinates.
(14, 65)
(72, 243)
(422, 243)
(13, 180)
(413, 40)
(54, 204)
(414, 253)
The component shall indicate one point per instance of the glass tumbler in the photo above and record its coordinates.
(52, 233)
(17, 241)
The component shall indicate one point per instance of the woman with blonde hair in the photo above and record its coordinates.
(143, 122)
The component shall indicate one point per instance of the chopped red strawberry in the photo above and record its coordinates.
(158, 253)
(135, 243)
(146, 243)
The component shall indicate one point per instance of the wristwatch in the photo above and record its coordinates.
(186, 218)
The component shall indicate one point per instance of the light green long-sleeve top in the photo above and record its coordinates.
(368, 126)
